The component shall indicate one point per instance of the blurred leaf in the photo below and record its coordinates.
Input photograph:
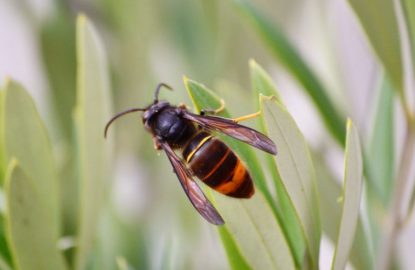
(262, 84)
(288, 56)
(30, 223)
(361, 256)
(3, 162)
(408, 7)
(58, 50)
(3, 264)
(122, 264)
(378, 18)
(379, 163)
(26, 139)
(235, 258)
(352, 190)
(4, 248)
(381, 148)
(251, 222)
(296, 170)
(193, 35)
(92, 112)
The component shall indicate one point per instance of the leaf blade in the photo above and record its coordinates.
(233, 211)
(353, 176)
(381, 27)
(236, 260)
(408, 7)
(28, 223)
(257, 234)
(296, 171)
(33, 152)
(92, 111)
(287, 55)
(262, 84)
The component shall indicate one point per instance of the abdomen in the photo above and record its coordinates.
(217, 166)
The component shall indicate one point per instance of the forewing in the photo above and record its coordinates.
(233, 129)
(192, 190)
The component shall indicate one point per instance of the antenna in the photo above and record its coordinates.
(119, 115)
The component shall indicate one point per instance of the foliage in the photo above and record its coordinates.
(58, 194)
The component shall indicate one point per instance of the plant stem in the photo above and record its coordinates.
(394, 223)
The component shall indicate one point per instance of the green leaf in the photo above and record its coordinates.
(3, 162)
(92, 112)
(352, 191)
(235, 258)
(296, 170)
(378, 18)
(379, 161)
(3, 264)
(408, 7)
(26, 139)
(29, 223)
(4, 248)
(287, 55)
(330, 191)
(57, 39)
(256, 232)
(251, 223)
(203, 98)
(381, 148)
(262, 84)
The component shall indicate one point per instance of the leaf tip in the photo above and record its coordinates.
(13, 163)
(82, 18)
(252, 63)
(7, 81)
(349, 124)
(185, 79)
(263, 98)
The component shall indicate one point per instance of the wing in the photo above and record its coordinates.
(233, 129)
(192, 190)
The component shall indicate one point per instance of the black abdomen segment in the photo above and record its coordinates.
(217, 166)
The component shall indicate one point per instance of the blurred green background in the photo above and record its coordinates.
(147, 220)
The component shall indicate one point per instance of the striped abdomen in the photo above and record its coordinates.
(217, 166)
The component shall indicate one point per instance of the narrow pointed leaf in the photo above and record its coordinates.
(5, 254)
(352, 191)
(26, 139)
(296, 170)
(256, 232)
(381, 147)
(29, 223)
(92, 112)
(3, 264)
(235, 258)
(361, 256)
(262, 84)
(379, 21)
(57, 38)
(409, 12)
(290, 58)
(203, 98)
(252, 223)
(3, 162)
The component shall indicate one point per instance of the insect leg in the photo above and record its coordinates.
(156, 144)
(214, 111)
(246, 117)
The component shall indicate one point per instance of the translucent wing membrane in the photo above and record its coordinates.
(235, 130)
(192, 190)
